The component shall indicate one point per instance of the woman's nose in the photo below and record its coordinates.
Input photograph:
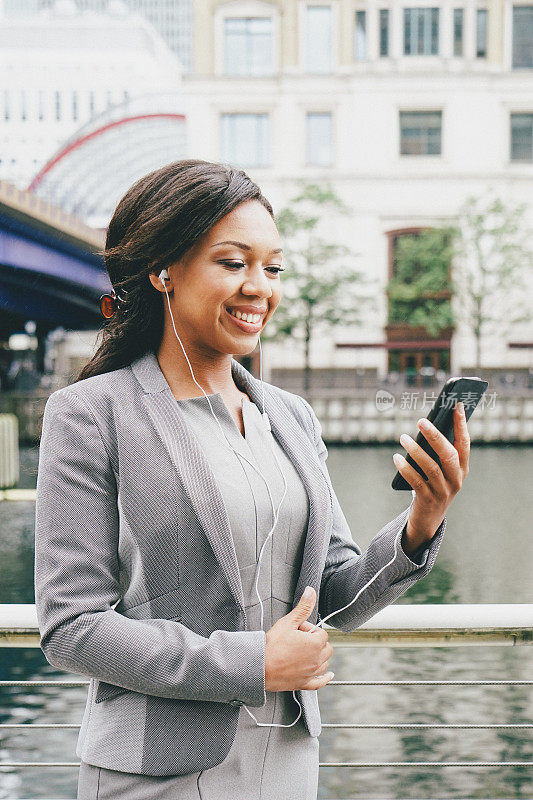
(257, 285)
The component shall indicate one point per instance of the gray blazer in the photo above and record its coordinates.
(137, 584)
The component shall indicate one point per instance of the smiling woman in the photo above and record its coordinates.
(214, 520)
(194, 253)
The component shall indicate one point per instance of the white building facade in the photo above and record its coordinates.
(406, 107)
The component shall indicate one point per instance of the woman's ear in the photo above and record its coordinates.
(159, 283)
(154, 280)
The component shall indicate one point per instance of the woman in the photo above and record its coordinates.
(183, 506)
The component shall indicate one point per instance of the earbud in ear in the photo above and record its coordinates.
(163, 275)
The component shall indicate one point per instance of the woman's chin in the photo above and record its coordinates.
(243, 348)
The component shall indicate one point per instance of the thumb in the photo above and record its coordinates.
(305, 606)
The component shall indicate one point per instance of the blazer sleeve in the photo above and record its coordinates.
(347, 568)
(76, 583)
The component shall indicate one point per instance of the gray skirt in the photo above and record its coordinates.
(262, 764)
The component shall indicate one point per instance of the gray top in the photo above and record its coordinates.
(249, 508)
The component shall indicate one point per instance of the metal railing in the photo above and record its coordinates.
(397, 625)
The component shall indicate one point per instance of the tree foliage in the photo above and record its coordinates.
(320, 286)
(422, 262)
(493, 267)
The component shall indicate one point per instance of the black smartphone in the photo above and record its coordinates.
(467, 390)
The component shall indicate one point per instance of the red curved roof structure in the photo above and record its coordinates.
(92, 171)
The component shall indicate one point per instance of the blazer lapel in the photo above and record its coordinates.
(195, 472)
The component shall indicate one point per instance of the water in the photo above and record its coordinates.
(485, 557)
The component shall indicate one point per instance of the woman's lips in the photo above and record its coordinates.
(249, 327)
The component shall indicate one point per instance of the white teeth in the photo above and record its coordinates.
(246, 317)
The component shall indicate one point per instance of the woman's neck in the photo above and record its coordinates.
(214, 376)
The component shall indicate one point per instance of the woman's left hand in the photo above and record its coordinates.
(434, 495)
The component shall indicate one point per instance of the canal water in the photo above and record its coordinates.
(485, 557)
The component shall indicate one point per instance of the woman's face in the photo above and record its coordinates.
(214, 277)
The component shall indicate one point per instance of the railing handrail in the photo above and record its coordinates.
(431, 624)
(397, 624)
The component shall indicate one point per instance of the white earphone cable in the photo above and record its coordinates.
(275, 513)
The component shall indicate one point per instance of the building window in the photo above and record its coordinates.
(523, 37)
(420, 31)
(521, 137)
(6, 104)
(384, 31)
(74, 105)
(319, 139)
(318, 39)
(458, 24)
(360, 36)
(248, 46)
(23, 111)
(245, 139)
(420, 133)
(40, 104)
(58, 105)
(91, 103)
(109, 95)
(481, 33)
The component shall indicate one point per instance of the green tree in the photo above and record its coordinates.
(493, 267)
(418, 290)
(320, 289)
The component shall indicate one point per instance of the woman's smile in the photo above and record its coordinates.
(249, 327)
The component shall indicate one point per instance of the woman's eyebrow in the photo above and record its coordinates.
(244, 246)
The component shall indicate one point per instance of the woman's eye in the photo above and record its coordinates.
(233, 263)
(274, 269)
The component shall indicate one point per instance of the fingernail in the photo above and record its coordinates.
(424, 424)
(398, 459)
(461, 407)
(308, 592)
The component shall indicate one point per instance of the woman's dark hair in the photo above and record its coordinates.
(156, 222)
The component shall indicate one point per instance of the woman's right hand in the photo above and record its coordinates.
(296, 657)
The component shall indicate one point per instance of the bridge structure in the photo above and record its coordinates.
(51, 267)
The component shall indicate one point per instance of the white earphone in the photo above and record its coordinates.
(163, 275)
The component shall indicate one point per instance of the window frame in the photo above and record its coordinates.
(479, 11)
(461, 54)
(519, 113)
(224, 156)
(302, 36)
(384, 13)
(511, 27)
(246, 74)
(317, 112)
(245, 8)
(431, 110)
(356, 56)
(422, 12)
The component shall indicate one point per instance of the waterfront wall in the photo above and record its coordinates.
(381, 417)
(372, 416)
